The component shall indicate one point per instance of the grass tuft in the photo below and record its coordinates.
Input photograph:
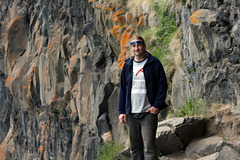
(198, 107)
(108, 151)
(194, 107)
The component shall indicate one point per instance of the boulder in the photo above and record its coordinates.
(225, 154)
(174, 134)
(208, 146)
(104, 128)
(124, 154)
(204, 147)
(176, 156)
(119, 131)
(167, 141)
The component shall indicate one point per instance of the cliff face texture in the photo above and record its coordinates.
(210, 52)
(60, 65)
(59, 73)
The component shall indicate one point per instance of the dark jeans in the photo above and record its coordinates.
(142, 133)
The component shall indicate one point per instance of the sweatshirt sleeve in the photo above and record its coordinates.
(162, 87)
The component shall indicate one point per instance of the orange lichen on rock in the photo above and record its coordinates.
(118, 16)
(110, 6)
(41, 149)
(1, 151)
(9, 80)
(124, 40)
(27, 83)
(25, 90)
(194, 18)
(140, 20)
(116, 31)
(15, 74)
(8, 141)
(90, 0)
(45, 129)
(49, 44)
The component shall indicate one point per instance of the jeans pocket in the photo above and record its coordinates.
(152, 116)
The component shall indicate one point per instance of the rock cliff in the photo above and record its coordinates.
(210, 51)
(60, 67)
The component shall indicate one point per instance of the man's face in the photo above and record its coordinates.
(137, 47)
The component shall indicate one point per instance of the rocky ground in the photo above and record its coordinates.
(195, 138)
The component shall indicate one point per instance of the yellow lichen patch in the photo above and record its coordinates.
(194, 18)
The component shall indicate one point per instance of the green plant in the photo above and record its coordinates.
(166, 29)
(193, 107)
(159, 153)
(108, 151)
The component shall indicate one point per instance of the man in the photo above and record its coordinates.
(142, 94)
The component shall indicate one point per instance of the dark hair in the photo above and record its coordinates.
(138, 37)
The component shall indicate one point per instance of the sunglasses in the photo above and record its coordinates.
(136, 42)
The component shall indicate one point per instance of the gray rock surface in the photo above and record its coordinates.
(173, 135)
(204, 147)
(209, 146)
(59, 73)
(209, 43)
(125, 154)
(104, 128)
(226, 153)
(5, 108)
(60, 65)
